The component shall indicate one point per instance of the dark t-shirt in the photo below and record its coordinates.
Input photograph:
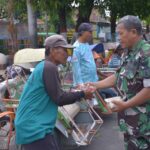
(53, 86)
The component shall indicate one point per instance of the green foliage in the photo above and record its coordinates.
(3, 9)
(19, 9)
(127, 7)
(120, 8)
(85, 6)
(53, 9)
(147, 19)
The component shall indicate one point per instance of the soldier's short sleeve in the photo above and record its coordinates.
(144, 69)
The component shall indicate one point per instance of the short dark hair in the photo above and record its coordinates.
(47, 50)
(131, 22)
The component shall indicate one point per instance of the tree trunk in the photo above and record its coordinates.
(32, 24)
(46, 24)
(62, 19)
(81, 19)
(84, 12)
(62, 22)
(113, 25)
(12, 27)
(13, 32)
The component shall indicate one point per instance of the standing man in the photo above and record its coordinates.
(83, 64)
(42, 94)
(84, 68)
(133, 83)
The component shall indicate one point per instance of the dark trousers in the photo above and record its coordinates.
(47, 143)
(129, 145)
(107, 93)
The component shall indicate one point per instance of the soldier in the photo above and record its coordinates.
(133, 83)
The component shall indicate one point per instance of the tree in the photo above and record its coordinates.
(7, 8)
(56, 10)
(32, 23)
(64, 9)
(3, 9)
(16, 9)
(84, 11)
(12, 27)
(120, 8)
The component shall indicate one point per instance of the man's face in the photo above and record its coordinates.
(59, 55)
(87, 35)
(126, 37)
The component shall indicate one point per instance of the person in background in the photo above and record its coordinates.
(83, 64)
(97, 59)
(115, 60)
(98, 63)
(42, 94)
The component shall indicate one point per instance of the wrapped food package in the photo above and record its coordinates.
(109, 102)
(102, 104)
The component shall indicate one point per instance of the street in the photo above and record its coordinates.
(108, 138)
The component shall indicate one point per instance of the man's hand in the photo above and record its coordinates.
(88, 90)
(119, 105)
(80, 86)
(88, 94)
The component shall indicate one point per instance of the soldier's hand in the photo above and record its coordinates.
(80, 86)
(93, 84)
(119, 106)
(89, 92)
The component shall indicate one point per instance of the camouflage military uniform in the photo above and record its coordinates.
(132, 77)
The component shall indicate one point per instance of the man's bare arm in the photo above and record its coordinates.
(106, 83)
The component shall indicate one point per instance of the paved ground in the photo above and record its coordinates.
(108, 138)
